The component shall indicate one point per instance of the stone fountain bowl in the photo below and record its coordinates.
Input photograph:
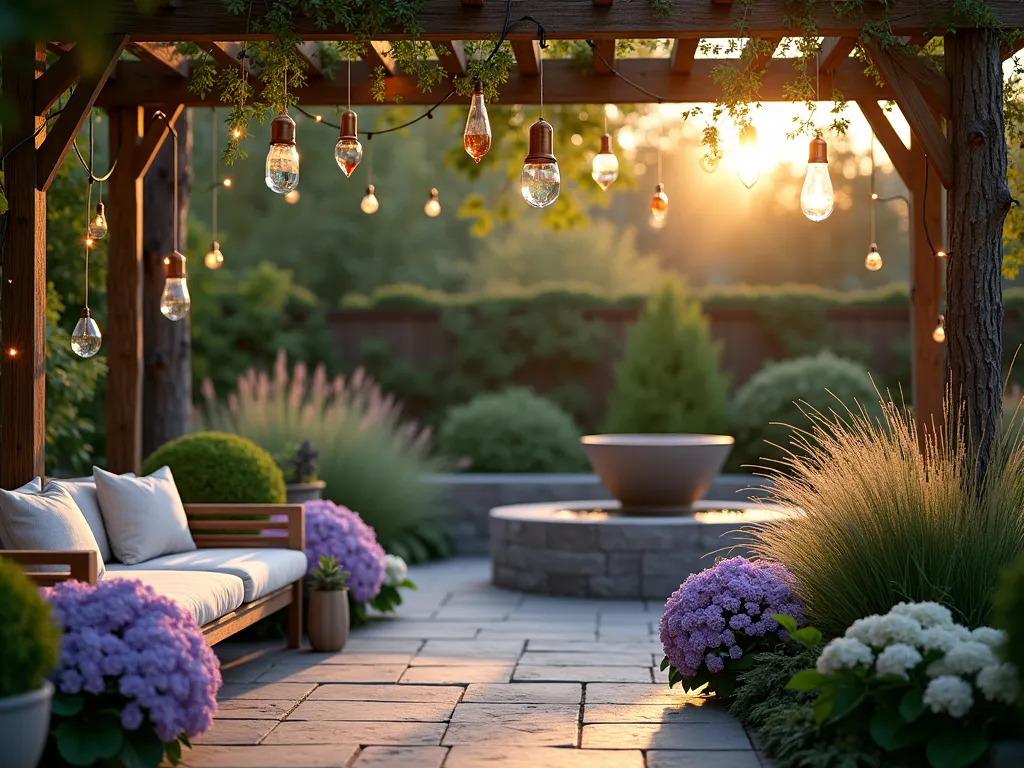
(657, 474)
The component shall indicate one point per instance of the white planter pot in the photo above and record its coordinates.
(24, 725)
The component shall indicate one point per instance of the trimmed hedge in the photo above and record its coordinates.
(218, 468)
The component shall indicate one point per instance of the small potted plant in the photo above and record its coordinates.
(30, 641)
(328, 620)
(299, 467)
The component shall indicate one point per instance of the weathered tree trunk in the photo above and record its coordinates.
(976, 207)
(167, 348)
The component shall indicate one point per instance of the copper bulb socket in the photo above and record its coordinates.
(606, 144)
(99, 209)
(282, 130)
(873, 248)
(659, 188)
(541, 143)
(818, 151)
(215, 246)
(433, 194)
(349, 126)
(174, 265)
(369, 189)
(86, 314)
(478, 87)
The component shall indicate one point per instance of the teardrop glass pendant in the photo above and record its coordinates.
(86, 339)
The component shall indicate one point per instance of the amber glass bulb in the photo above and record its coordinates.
(659, 203)
(477, 138)
(370, 204)
(214, 258)
(873, 261)
(939, 334)
(433, 205)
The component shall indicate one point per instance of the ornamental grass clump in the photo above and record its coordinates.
(136, 679)
(719, 617)
(879, 522)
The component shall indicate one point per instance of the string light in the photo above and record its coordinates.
(175, 301)
(227, 183)
(369, 204)
(477, 137)
(86, 338)
(748, 163)
(939, 334)
(540, 181)
(348, 152)
(605, 168)
(283, 158)
(98, 224)
(940, 254)
(12, 352)
(433, 205)
(236, 133)
(873, 261)
(817, 199)
(214, 258)
(659, 201)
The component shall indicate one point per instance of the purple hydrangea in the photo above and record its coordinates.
(338, 531)
(120, 635)
(715, 612)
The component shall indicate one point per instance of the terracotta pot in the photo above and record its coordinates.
(24, 725)
(327, 621)
(300, 493)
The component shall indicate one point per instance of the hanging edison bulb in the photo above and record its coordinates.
(86, 338)
(369, 203)
(175, 301)
(709, 160)
(283, 157)
(214, 258)
(817, 200)
(477, 138)
(748, 163)
(98, 223)
(605, 169)
(348, 151)
(540, 180)
(659, 203)
(873, 261)
(939, 334)
(433, 206)
(657, 222)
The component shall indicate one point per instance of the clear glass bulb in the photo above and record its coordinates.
(873, 261)
(477, 137)
(175, 301)
(605, 169)
(86, 338)
(214, 258)
(369, 204)
(541, 183)
(98, 224)
(433, 206)
(282, 168)
(659, 204)
(748, 161)
(348, 153)
(939, 334)
(709, 161)
(817, 199)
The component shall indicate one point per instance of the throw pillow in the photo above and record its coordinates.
(83, 491)
(144, 516)
(47, 520)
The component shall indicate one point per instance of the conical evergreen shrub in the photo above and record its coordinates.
(669, 380)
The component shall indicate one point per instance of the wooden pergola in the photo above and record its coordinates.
(953, 122)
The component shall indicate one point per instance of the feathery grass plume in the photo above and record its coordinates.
(877, 521)
(373, 460)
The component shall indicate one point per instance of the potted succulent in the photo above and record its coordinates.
(299, 467)
(328, 620)
(31, 644)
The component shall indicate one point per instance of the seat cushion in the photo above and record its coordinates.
(144, 516)
(262, 571)
(207, 596)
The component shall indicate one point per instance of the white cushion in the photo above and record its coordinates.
(207, 596)
(35, 485)
(262, 571)
(144, 516)
(47, 520)
(84, 494)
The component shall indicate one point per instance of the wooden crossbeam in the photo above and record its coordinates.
(891, 142)
(452, 55)
(52, 151)
(162, 57)
(607, 49)
(378, 54)
(835, 51)
(933, 85)
(56, 79)
(760, 61)
(916, 109)
(527, 53)
(564, 83)
(309, 52)
(683, 53)
(920, 41)
(154, 137)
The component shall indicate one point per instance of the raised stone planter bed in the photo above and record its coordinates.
(571, 550)
(468, 498)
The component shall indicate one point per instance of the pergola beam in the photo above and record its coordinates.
(607, 49)
(527, 53)
(683, 53)
(310, 54)
(835, 51)
(893, 145)
(564, 83)
(57, 78)
(377, 53)
(452, 55)
(161, 56)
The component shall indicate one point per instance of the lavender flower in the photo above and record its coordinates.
(338, 531)
(716, 613)
(120, 635)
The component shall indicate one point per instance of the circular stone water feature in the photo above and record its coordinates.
(593, 549)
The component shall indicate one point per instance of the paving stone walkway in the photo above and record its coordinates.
(470, 675)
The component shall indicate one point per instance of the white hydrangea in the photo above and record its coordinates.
(926, 614)
(938, 639)
(993, 638)
(949, 694)
(999, 682)
(395, 570)
(964, 658)
(897, 660)
(844, 653)
(888, 629)
(863, 629)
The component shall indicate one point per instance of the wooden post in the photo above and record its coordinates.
(167, 378)
(976, 208)
(23, 293)
(123, 330)
(929, 357)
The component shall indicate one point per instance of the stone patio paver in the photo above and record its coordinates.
(364, 734)
(267, 691)
(702, 759)
(581, 674)
(527, 693)
(508, 714)
(525, 733)
(518, 757)
(593, 659)
(452, 652)
(255, 709)
(305, 672)
(693, 736)
(401, 757)
(654, 713)
(461, 673)
(399, 693)
(334, 756)
(236, 732)
(411, 711)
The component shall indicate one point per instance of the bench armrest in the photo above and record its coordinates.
(82, 564)
(247, 525)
